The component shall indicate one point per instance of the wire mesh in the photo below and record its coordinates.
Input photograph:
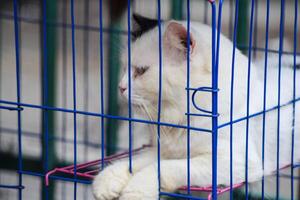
(78, 173)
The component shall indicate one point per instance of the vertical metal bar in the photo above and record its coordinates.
(159, 91)
(20, 35)
(214, 109)
(48, 91)
(86, 66)
(18, 80)
(74, 94)
(101, 82)
(215, 74)
(45, 99)
(215, 61)
(279, 92)
(248, 95)
(64, 89)
(1, 75)
(177, 9)
(129, 83)
(188, 97)
(243, 28)
(265, 98)
(232, 94)
(86, 73)
(113, 74)
(294, 97)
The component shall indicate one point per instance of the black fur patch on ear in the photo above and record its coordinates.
(142, 25)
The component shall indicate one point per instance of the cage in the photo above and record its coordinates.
(61, 115)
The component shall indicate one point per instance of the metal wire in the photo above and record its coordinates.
(248, 97)
(279, 92)
(74, 95)
(232, 94)
(294, 97)
(216, 24)
(265, 97)
(18, 77)
(129, 82)
(159, 93)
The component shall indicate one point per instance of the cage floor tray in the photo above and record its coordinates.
(90, 169)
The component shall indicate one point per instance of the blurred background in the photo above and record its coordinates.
(60, 125)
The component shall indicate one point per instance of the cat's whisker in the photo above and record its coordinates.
(146, 109)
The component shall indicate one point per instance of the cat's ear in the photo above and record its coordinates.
(176, 37)
(141, 25)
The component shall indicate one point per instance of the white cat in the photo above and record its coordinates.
(115, 181)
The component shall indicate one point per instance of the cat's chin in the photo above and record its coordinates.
(134, 102)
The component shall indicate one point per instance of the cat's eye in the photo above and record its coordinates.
(139, 71)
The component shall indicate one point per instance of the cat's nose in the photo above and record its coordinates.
(122, 89)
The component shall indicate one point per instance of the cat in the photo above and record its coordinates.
(116, 182)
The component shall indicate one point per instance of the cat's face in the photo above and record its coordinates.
(145, 65)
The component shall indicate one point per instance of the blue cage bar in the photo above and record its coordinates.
(214, 8)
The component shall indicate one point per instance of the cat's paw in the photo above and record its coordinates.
(110, 182)
(142, 186)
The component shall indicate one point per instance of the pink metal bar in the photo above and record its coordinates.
(90, 173)
(226, 189)
(70, 169)
(200, 189)
(77, 173)
(48, 174)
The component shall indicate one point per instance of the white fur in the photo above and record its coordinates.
(115, 180)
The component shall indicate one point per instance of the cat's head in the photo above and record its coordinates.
(145, 64)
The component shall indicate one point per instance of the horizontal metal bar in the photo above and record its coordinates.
(4, 130)
(245, 47)
(258, 113)
(141, 120)
(11, 108)
(56, 177)
(12, 187)
(203, 89)
(288, 176)
(296, 166)
(106, 116)
(32, 20)
(201, 115)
